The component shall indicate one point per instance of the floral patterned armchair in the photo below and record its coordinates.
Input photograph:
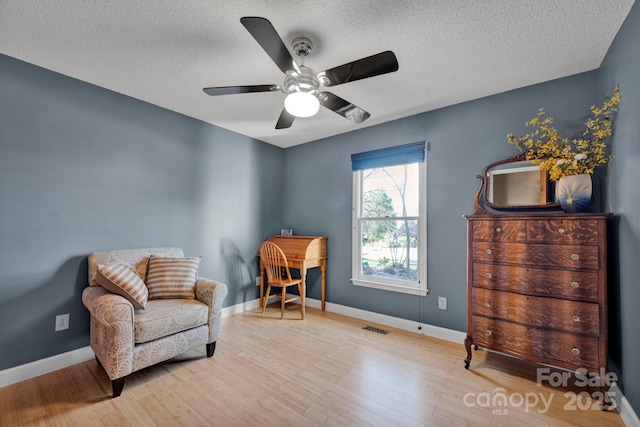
(126, 337)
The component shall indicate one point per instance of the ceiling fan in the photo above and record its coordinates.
(302, 84)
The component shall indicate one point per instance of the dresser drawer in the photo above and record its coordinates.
(569, 284)
(500, 230)
(550, 313)
(546, 346)
(563, 231)
(567, 256)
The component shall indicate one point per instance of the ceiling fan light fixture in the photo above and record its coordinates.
(302, 92)
(302, 104)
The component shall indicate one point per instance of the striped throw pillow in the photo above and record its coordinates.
(122, 280)
(172, 277)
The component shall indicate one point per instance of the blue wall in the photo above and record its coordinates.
(83, 169)
(622, 66)
(462, 139)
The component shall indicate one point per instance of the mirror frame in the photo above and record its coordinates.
(484, 189)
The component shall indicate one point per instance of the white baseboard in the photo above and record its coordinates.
(64, 360)
(44, 366)
(383, 319)
(60, 361)
(394, 322)
(240, 308)
(628, 415)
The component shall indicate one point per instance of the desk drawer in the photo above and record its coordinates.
(549, 313)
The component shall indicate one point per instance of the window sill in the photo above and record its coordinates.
(389, 287)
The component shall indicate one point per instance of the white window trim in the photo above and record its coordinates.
(357, 279)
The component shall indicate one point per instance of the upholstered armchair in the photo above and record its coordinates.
(147, 306)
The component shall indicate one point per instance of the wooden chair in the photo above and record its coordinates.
(279, 276)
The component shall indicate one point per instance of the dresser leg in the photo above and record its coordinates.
(607, 403)
(468, 342)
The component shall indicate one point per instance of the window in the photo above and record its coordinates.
(389, 219)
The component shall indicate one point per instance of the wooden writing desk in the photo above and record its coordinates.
(302, 252)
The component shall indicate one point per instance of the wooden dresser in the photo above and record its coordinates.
(536, 288)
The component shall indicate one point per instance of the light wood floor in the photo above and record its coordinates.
(325, 370)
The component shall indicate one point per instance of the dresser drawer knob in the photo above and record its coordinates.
(561, 231)
(575, 257)
(575, 350)
(488, 332)
(575, 285)
(487, 303)
(498, 229)
(488, 275)
(576, 318)
(488, 251)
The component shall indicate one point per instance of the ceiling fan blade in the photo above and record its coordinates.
(285, 120)
(375, 65)
(264, 33)
(346, 109)
(232, 90)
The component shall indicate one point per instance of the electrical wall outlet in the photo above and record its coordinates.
(62, 322)
(258, 281)
(442, 303)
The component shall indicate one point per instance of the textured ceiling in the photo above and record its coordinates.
(449, 51)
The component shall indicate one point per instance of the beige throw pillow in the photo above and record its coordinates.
(172, 277)
(122, 280)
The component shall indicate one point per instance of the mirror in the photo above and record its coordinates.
(516, 183)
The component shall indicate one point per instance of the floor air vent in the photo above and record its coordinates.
(374, 329)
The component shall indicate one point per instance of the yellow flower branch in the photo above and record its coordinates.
(562, 157)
